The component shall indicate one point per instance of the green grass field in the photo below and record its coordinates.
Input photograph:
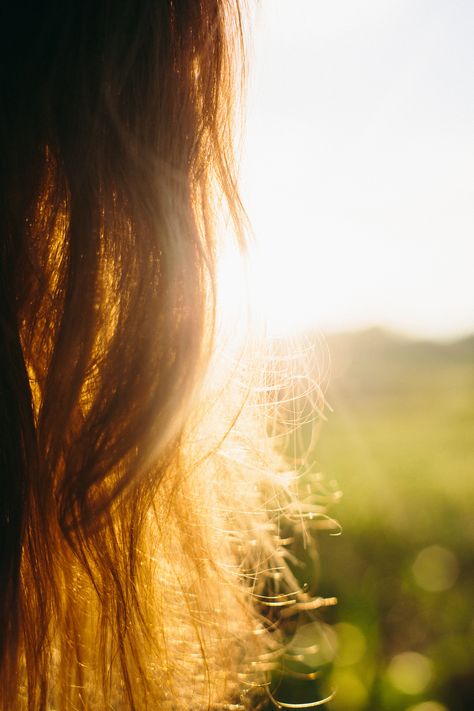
(400, 444)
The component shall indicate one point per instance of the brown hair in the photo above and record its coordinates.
(129, 574)
(115, 132)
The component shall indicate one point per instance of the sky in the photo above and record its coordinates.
(358, 165)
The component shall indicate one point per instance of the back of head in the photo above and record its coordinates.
(114, 135)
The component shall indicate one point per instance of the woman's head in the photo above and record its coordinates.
(115, 135)
(115, 141)
(139, 534)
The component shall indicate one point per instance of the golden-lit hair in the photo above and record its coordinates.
(128, 539)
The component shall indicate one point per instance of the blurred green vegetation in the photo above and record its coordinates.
(400, 444)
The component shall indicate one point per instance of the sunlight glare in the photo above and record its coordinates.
(358, 166)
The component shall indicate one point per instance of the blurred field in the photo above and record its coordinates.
(400, 444)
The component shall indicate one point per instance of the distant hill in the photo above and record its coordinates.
(377, 359)
(379, 340)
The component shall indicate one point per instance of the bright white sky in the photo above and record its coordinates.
(358, 166)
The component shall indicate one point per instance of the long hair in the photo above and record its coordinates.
(127, 569)
(114, 134)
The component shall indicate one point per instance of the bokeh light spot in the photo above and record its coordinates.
(410, 672)
(351, 644)
(316, 643)
(435, 569)
(351, 694)
(428, 706)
